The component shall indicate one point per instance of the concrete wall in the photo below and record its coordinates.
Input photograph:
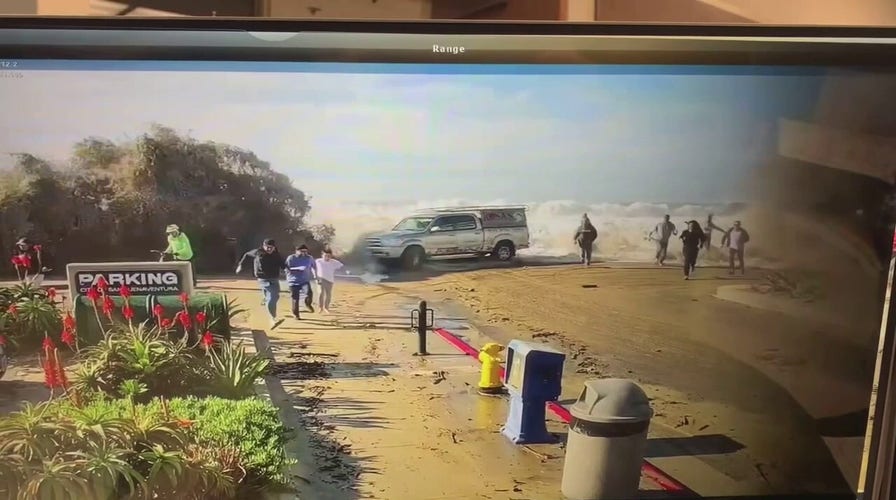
(358, 9)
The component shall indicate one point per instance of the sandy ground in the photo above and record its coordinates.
(754, 388)
(382, 423)
(23, 381)
(753, 394)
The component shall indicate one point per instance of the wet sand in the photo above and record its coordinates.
(764, 383)
(379, 422)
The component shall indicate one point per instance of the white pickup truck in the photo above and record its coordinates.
(457, 232)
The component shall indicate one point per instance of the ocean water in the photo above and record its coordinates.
(622, 228)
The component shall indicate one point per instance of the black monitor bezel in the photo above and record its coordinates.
(881, 465)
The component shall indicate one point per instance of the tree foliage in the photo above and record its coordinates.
(112, 201)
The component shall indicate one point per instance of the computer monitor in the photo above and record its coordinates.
(706, 210)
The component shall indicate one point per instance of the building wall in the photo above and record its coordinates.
(63, 7)
(236, 8)
(828, 12)
(358, 9)
(664, 11)
(11, 7)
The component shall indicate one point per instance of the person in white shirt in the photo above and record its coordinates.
(326, 276)
(736, 240)
(661, 235)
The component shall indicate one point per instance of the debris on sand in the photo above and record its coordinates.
(300, 370)
(797, 287)
(541, 335)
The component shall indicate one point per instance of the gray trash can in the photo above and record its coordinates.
(607, 438)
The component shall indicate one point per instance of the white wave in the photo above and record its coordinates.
(622, 228)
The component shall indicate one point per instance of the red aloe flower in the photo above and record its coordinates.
(51, 293)
(2, 340)
(124, 291)
(184, 319)
(102, 284)
(200, 318)
(67, 338)
(108, 306)
(16, 261)
(184, 298)
(48, 344)
(166, 323)
(37, 248)
(68, 322)
(51, 374)
(93, 294)
(208, 340)
(13, 310)
(127, 311)
(22, 260)
(158, 310)
(61, 377)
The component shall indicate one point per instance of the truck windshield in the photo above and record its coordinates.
(413, 224)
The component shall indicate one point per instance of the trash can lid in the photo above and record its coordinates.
(612, 400)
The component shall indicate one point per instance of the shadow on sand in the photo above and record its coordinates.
(852, 424)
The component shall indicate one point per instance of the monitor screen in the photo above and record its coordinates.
(709, 214)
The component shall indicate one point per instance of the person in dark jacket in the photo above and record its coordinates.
(267, 265)
(692, 239)
(585, 237)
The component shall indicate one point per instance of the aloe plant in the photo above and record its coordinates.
(234, 371)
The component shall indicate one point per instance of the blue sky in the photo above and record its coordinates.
(365, 136)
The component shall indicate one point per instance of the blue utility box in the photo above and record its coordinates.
(532, 375)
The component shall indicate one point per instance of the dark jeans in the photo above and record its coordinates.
(326, 294)
(296, 292)
(662, 247)
(587, 249)
(690, 259)
(738, 254)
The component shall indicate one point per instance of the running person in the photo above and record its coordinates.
(736, 240)
(585, 237)
(692, 239)
(179, 247)
(267, 266)
(708, 228)
(661, 235)
(301, 271)
(326, 276)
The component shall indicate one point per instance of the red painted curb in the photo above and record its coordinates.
(652, 472)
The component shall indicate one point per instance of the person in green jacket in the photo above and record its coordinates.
(179, 247)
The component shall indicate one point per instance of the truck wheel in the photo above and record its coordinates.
(504, 251)
(412, 258)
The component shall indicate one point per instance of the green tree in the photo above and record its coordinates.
(112, 201)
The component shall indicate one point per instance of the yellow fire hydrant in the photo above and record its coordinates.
(490, 380)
